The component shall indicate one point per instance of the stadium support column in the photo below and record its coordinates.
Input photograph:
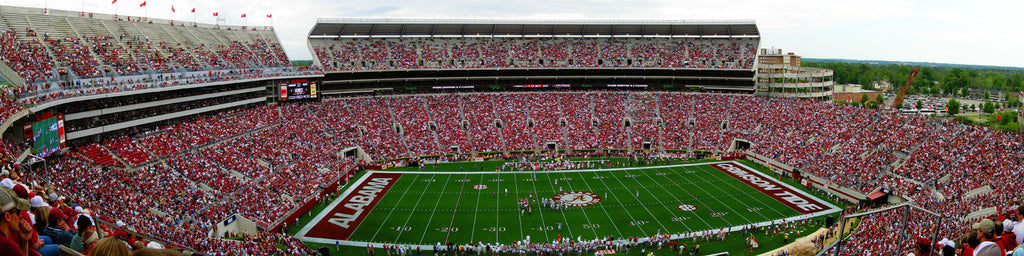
(906, 216)
(839, 245)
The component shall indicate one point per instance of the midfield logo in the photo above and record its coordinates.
(687, 207)
(577, 198)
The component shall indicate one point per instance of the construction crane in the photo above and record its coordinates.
(903, 91)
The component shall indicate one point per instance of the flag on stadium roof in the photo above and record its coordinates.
(243, 15)
(142, 4)
(172, 8)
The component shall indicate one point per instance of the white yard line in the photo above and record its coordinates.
(472, 233)
(389, 212)
(744, 202)
(567, 228)
(337, 201)
(420, 199)
(431, 219)
(583, 211)
(655, 218)
(542, 222)
(608, 193)
(727, 223)
(623, 205)
(678, 200)
(521, 234)
(456, 209)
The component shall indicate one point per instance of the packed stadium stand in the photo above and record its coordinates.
(451, 53)
(173, 128)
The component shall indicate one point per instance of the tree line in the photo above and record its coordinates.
(945, 81)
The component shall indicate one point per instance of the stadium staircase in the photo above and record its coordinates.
(533, 130)
(661, 131)
(433, 132)
(693, 108)
(115, 157)
(468, 132)
(100, 155)
(45, 26)
(393, 120)
(628, 115)
(727, 122)
(593, 117)
(501, 133)
(642, 109)
(563, 119)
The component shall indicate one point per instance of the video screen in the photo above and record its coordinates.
(48, 135)
(298, 89)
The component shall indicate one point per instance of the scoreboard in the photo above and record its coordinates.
(48, 135)
(298, 89)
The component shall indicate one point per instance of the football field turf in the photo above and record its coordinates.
(423, 208)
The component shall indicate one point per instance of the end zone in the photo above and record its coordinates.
(340, 219)
(785, 194)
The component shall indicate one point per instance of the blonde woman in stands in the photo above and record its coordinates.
(110, 246)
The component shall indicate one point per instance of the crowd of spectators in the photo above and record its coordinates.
(526, 52)
(516, 127)
(483, 130)
(27, 56)
(446, 112)
(70, 52)
(413, 120)
(545, 109)
(132, 60)
(263, 162)
(129, 150)
(111, 53)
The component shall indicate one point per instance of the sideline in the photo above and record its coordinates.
(568, 171)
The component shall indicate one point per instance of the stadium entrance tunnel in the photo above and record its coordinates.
(740, 144)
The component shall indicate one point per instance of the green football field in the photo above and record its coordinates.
(423, 208)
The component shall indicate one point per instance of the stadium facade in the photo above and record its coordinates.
(780, 75)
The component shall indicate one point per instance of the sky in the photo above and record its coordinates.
(985, 32)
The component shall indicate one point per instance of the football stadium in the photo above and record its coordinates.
(468, 136)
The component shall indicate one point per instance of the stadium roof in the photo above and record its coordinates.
(472, 27)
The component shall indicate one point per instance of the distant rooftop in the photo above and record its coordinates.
(353, 26)
(851, 88)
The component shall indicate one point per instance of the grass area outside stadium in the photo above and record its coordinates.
(607, 227)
